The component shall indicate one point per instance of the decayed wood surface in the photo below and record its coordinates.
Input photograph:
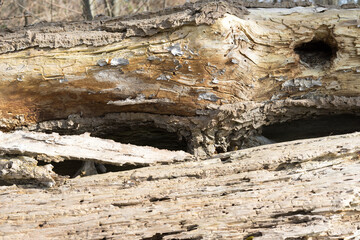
(50, 72)
(212, 72)
(206, 63)
(53, 147)
(304, 189)
(33, 146)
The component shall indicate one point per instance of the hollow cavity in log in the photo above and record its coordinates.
(207, 84)
(123, 128)
(75, 168)
(320, 126)
(320, 51)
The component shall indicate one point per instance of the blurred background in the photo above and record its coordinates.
(24, 12)
(18, 13)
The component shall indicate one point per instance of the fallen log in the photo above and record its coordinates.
(295, 190)
(221, 70)
(216, 75)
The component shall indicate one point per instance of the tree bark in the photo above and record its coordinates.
(108, 8)
(88, 9)
(116, 10)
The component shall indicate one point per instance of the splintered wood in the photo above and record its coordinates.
(295, 190)
(54, 147)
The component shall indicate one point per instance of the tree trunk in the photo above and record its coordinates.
(88, 7)
(108, 8)
(116, 10)
(221, 71)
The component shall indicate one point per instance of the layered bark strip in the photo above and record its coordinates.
(59, 148)
(276, 191)
(222, 70)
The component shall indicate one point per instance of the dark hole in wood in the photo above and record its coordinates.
(125, 167)
(219, 150)
(70, 167)
(5, 183)
(136, 133)
(65, 168)
(142, 135)
(292, 213)
(42, 224)
(315, 53)
(320, 126)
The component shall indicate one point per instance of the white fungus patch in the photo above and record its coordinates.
(175, 50)
(215, 80)
(234, 61)
(301, 83)
(208, 96)
(164, 77)
(119, 62)
(102, 62)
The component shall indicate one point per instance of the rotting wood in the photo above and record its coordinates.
(296, 190)
(54, 147)
(213, 73)
(221, 70)
(21, 152)
(25, 170)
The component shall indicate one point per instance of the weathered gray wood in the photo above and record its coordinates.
(305, 189)
(54, 147)
(25, 170)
